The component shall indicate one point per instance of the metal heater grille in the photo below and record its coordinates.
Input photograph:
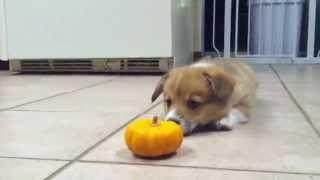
(71, 65)
(93, 65)
(35, 65)
(137, 65)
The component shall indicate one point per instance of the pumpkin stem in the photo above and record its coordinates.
(155, 120)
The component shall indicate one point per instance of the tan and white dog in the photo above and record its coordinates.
(220, 92)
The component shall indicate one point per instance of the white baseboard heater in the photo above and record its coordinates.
(96, 36)
(93, 65)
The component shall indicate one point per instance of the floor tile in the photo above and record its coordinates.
(315, 118)
(276, 106)
(129, 172)
(277, 138)
(15, 169)
(54, 135)
(123, 94)
(264, 73)
(19, 89)
(272, 98)
(298, 73)
(274, 89)
(137, 88)
(307, 95)
(158, 110)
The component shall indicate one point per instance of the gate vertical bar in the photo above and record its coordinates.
(237, 26)
(271, 27)
(249, 27)
(260, 28)
(214, 29)
(311, 28)
(294, 47)
(227, 27)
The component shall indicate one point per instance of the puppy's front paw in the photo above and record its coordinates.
(187, 127)
(233, 118)
(238, 117)
(224, 124)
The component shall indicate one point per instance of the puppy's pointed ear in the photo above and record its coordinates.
(159, 88)
(220, 83)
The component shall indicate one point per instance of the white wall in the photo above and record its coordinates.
(3, 38)
(62, 27)
(88, 28)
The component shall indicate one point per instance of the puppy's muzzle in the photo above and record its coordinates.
(174, 120)
(173, 116)
(187, 126)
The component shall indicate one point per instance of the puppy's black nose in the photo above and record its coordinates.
(175, 120)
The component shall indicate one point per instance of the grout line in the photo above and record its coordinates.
(161, 165)
(31, 110)
(304, 113)
(76, 111)
(77, 158)
(56, 95)
(33, 158)
(197, 167)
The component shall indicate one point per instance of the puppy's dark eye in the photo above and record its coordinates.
(168, 102)
(193, 104)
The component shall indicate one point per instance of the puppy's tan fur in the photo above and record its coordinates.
(206, 92)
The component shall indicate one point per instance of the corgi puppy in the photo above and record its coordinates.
(210, 92)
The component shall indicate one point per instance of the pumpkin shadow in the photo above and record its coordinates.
(163, 157)
(126, 155)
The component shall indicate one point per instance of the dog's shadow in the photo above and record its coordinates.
(207, 128)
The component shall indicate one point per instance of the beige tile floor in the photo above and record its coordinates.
(71, 127)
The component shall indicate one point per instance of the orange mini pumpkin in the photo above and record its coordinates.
(147, 137)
